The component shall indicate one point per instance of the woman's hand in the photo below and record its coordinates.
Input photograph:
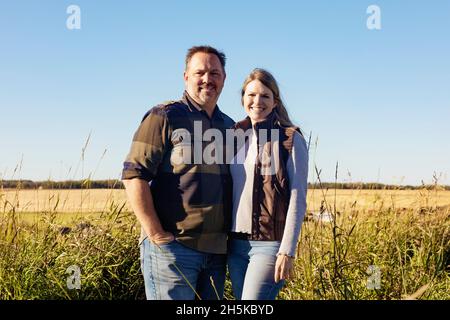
(283, 267)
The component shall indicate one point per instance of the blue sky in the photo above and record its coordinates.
(376, 101)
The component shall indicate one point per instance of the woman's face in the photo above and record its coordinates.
(258, 101)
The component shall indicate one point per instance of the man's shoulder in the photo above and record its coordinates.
(165, 108)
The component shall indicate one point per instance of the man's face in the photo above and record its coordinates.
(204, 79)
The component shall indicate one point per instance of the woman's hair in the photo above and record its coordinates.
(269, 81)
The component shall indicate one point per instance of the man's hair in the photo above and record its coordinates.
(205, 49)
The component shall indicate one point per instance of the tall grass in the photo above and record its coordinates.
(379, 252)
(409, 247)
(35, 258)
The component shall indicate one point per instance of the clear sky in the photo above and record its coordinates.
(376, 101)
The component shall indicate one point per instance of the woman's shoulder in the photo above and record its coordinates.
(298, 136)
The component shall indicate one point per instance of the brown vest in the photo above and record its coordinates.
(271, 193)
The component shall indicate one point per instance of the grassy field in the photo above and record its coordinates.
(380, 244)
(98, 200)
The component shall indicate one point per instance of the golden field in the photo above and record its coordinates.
(402, 234)
(98, 200)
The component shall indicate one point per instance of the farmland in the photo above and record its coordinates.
(97, 200)
(380, 244)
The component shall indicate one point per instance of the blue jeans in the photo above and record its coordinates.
(175, 272)
(251, 265)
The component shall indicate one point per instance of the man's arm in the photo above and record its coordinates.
(141, 166)
(141, 200)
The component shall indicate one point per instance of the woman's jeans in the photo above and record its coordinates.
(251, 265)
(173, 271)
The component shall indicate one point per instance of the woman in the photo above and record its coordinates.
(269, 174)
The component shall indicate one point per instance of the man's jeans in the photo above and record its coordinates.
(252, 269)
(173, 271)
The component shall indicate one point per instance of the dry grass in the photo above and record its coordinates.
(66, 200)
(405, 234)
(97, 200)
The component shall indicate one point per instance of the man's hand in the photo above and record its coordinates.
(162, 238)
(141, 200)
(283, 267)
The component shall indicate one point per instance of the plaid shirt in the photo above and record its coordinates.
(192, 200)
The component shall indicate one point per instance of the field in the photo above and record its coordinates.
(379, 244)
(98, 200)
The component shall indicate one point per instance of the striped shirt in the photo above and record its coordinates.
(192, 198)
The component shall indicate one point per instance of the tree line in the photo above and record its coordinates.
(117, 184)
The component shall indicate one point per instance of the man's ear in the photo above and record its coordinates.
(185, 76)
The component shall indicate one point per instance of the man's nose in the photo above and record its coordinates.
(257, 99)
(206, 77)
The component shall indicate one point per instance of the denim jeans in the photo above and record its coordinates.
(251, 265)
(173, 271)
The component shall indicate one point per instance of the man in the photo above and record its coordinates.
(185, 210)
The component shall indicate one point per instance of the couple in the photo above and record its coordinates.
(197, 217)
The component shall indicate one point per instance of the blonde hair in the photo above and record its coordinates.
(269, 81)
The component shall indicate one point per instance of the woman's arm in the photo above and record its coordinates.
(297, 169)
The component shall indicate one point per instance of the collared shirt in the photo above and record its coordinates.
(191, 193)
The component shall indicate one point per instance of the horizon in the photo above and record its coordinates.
(309, 182)
(375, 100)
